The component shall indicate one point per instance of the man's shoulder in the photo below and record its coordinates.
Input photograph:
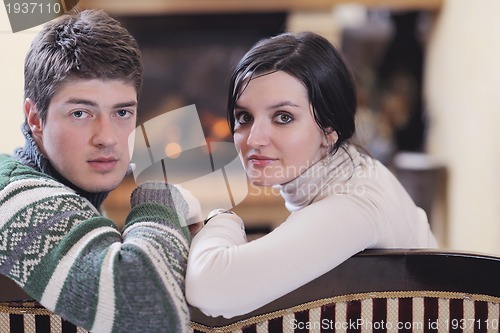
(11, 170)
(8, 165)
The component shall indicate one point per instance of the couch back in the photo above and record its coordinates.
(379, 290)
(375, 290)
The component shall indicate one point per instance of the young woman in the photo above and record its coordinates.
(291, 107)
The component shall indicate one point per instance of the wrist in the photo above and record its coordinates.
(159, 193)
(217, 212)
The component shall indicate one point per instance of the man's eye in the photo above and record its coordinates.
(124, 113)
(79, 114)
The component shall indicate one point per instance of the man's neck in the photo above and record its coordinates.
(31, 156)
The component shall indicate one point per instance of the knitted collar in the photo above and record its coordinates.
(31, 156)
(320, 179)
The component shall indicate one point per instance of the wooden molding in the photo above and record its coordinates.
(156, 7)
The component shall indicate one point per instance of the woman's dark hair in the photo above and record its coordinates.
(314, 61)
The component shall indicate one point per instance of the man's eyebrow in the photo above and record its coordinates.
(94, 104)
(125, 105)
(81, 101)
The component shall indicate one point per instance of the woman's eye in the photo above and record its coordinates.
(283, 118)
(243, 118)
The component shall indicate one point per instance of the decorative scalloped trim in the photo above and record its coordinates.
(340, 299)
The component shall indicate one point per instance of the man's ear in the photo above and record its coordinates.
(33, 118)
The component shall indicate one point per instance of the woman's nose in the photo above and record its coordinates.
(259, 135)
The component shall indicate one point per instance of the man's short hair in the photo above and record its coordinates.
(85, 44)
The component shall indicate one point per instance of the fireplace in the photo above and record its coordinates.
(188, 60)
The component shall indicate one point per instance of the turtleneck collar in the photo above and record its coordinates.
(316, 182)
(31, 156)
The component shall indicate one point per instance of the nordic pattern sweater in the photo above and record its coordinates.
(57, 246)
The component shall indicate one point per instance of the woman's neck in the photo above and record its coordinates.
(316, 182)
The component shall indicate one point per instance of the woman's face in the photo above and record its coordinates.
(275, 132)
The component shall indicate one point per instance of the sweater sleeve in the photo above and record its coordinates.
(76, 263)
(228, 276)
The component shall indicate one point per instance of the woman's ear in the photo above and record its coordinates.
(331, 137)
(33, 118)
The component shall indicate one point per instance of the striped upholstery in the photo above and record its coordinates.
(384, 290)
(378, 312)
(370, 312)
(30, 317)
(419, 290)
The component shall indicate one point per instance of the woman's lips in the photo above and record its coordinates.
(261, 161)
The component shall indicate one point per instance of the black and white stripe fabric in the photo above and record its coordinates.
(378, 312)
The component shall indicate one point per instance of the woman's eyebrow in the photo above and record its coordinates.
(281, 104)
(238, 106)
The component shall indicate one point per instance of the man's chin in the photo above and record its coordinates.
(100, 186)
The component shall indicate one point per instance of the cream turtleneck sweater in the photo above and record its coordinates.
(340, 206)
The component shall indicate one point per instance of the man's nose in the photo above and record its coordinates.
(104, 133)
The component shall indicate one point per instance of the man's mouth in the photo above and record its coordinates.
(103, 163)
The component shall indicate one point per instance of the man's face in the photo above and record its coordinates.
(85, 135)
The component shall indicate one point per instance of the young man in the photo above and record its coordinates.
(83, 74)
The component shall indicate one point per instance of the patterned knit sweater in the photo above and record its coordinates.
(57, 246)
